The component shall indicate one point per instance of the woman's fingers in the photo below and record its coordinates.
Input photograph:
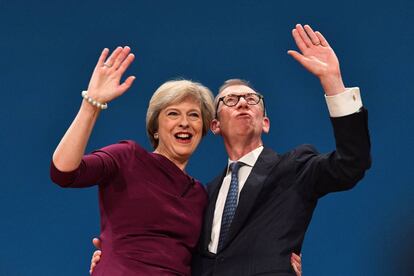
(105, 83)
(126, 62)
(102, 57)
(126, 84)
(121, 70)
(297, 259)
(296, 263)
(121, 57)
(111, 60)
(296, 269)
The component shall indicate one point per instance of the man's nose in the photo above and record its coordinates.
(242, 102)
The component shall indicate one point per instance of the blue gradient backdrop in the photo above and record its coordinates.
(49, 49)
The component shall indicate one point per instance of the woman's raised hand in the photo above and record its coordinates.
(105, 84)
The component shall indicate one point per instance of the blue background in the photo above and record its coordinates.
(49, 49)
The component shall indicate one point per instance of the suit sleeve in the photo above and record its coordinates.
(319, 174)
(95, 168)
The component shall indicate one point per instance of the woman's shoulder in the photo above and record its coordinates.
(124, 149)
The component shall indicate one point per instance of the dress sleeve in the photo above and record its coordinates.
(341, 169)
(95, 168)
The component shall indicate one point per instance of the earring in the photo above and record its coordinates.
(156, 135)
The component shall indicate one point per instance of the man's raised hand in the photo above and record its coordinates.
(318, 57)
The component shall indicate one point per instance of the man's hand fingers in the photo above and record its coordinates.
(322, 39)
(97, 243)
(298, 57)
(96, 257)
(299, 41)
(304, 35)
(97, 253)
(91, 268)
(314, 38)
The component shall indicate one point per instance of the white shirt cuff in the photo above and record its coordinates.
(344, 103)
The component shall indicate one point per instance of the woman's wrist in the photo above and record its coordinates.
(88, 109)
(93, 101)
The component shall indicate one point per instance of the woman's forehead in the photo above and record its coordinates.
(186, 102)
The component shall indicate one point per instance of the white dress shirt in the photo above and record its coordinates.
(339, 105)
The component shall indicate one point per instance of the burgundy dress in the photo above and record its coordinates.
(151, 211)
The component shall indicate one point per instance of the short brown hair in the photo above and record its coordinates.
(231, 82)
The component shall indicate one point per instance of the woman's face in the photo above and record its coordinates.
(180, 128)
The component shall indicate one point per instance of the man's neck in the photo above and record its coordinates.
(239, 148)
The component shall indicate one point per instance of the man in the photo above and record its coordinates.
(260, 208)
(276, 194)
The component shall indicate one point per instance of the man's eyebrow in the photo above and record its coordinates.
(241, 92)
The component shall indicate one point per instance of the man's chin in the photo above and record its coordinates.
(243, 130)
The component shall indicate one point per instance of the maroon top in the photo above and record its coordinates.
(151, 211)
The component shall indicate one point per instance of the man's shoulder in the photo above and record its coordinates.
(304, 149)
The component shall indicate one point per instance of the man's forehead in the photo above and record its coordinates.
(237, 89)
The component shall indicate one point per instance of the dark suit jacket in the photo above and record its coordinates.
(278, 199)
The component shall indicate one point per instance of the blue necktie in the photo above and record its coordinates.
(230, 205)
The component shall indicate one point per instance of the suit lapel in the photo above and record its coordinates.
(251, 189)
(213, 189)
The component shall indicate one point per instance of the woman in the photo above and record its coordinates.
(151, 210)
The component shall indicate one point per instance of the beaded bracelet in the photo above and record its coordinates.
(94, 102)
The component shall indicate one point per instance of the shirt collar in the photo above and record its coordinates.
(248, 159)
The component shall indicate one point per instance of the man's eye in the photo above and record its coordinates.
(231, 99)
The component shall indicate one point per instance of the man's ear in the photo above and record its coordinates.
(215, 126)
(266, 125)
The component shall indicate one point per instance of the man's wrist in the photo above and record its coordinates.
(332, 85)
(345, 103)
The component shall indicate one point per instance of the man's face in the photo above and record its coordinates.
(241, 120)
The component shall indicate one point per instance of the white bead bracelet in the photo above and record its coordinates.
(94, 102)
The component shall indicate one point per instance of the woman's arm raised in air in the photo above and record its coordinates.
(104, 86)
